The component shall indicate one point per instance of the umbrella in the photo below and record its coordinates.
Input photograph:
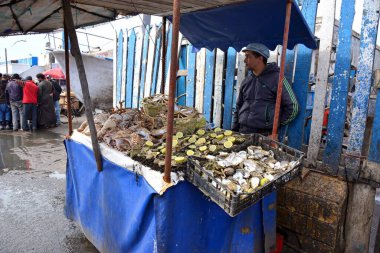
(55, 73)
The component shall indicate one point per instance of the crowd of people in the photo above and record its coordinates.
(27, 105)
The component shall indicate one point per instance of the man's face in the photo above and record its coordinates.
(39, 79)
(251, 61)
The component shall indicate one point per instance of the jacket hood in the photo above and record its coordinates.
(270, 68)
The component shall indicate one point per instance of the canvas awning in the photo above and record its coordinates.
(42, 16)
(235, 23)
(260, 21)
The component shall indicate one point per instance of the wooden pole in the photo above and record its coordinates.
(359, 217)
(83, 80)
(68, 86)
(163, 55)
(6, 61)
(362, 197)
(282, 69)
(172, 83)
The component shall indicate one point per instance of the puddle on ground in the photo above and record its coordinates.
(32, 195)
(27, 151)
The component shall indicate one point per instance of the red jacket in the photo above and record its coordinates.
(30, 93)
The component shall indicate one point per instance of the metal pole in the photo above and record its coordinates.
(162, 90)
(6, 61)
(282, 68)
(172, 84)
(88, 43)
(68, 86)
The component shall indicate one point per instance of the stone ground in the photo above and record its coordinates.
(32, 194)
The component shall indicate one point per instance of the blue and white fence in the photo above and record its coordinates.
(209, 80)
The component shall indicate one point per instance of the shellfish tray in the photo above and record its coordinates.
(234, 203)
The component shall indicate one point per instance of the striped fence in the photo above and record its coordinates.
(206, 80)
(209, 80)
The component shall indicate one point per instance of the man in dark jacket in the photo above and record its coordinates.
(5, 111)
(13, 94)
(56, 96)
(257, 96)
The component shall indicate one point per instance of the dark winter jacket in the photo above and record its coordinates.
(257, 99)
(57, 90)
(13, 92)
(3, 85)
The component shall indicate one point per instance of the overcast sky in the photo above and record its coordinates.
(28, 45)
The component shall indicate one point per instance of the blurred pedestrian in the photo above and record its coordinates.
(5, 111)
(46, 110)
(29, 100)
(13, 94)
(56, 96)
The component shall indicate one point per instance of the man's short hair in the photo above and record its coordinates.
(40, 76)
(16, 77)
(256, 54)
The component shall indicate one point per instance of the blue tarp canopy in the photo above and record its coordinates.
(236, 25)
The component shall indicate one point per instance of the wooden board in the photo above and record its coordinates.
(190, 80)
(209, 82)
(157, 57)
(374, 150)
(241, 72)
(219, 71)
(359, 217)
(124, 68)
(119, 65)
(137, 67)
(130, 68)
(168, 56)
(301, 79)
(144, 60)
(114, 72)
(200, 81)
(325, 46)
(151, 57)
(364, 75)
(338, 104)
(181, 80)
(168, 65)
(229, 88)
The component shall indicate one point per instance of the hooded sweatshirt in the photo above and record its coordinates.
(257, 100)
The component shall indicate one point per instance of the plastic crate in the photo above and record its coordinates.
(234, 203)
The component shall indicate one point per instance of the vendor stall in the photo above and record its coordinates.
(129, 207)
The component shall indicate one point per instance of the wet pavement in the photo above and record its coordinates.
(32, 194)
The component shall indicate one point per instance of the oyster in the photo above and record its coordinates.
(255, 181)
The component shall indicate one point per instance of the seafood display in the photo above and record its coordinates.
(233, 169)
(141, 134)
(248, 170)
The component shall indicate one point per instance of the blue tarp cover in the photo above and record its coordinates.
(260, 21)
(120, 212)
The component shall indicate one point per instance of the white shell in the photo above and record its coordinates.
(255, 181)
(269, 177)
